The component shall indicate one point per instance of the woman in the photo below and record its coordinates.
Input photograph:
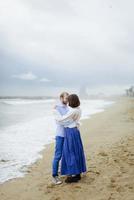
(73, 158)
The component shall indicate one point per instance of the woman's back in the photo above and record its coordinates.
(71, 119)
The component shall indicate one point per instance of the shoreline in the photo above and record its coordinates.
(99, 137)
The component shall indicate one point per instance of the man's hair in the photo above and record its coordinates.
(73, 100)
(63, 94)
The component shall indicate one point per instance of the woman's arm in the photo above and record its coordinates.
(70, 116)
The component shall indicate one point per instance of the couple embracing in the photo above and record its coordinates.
(68, 146)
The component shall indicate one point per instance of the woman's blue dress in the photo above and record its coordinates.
(73, 158)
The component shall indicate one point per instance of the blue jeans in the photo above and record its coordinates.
(58, 155)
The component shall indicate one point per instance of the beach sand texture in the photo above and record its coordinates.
(108, 139)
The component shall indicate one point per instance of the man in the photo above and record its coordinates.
(62, 109)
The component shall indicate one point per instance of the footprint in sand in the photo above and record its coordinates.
(46, 189)
(117, 187)
(88, 181)
(102, 153)
(120, 189)
(93, 171)
(129, 186)
(51, 185)
(77, 186)
(55, 198)
(123, 170)
(113, 180)
(112, 185)
(111, 198)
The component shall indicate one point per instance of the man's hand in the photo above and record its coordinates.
(54, 106)
(78, 126)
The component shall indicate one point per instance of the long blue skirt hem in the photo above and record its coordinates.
(73, 158)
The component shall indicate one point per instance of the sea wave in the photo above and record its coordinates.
(23, 102)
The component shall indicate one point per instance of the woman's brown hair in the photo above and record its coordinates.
(73, 100)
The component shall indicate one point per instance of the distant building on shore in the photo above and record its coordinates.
(83, 93)
(130, 92)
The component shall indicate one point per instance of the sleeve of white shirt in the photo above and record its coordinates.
(65, 118)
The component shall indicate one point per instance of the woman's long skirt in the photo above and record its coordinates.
(73, 158)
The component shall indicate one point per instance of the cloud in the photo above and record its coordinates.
(26, 76)
(30, 76)
(44, 80)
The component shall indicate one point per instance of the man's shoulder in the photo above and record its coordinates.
(58, 106)
(61, 105)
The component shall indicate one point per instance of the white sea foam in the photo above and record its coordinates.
(23, 102)
(26, 129)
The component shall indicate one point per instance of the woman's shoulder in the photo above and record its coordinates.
(77, 109)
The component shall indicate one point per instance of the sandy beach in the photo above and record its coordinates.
(108, 139)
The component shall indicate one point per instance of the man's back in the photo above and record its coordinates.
(62, 109)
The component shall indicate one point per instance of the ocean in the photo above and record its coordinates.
(26, 127)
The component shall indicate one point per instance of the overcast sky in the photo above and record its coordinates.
(52, 45)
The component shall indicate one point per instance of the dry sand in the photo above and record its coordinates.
(108, 139)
